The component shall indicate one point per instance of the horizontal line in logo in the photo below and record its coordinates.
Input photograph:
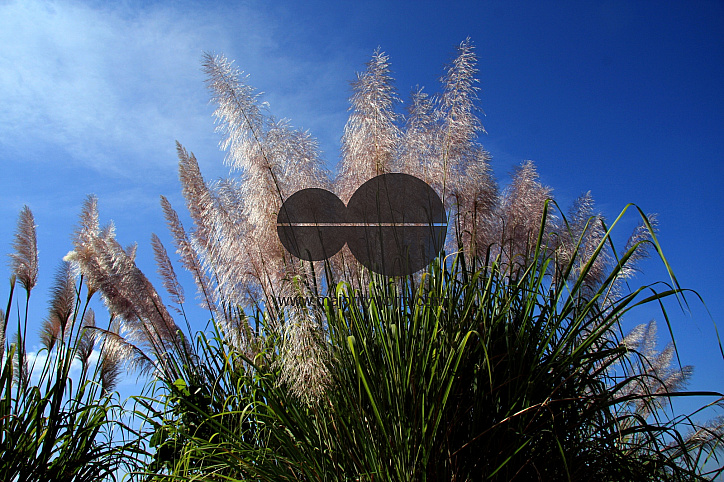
(357, 225)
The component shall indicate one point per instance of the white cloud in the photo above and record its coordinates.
(92, 82)
(115, 87)
(37, 360)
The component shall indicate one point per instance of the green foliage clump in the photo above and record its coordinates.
(469, 372)
(59, 416)
(505, 360)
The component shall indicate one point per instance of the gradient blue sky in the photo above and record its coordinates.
(625, 99)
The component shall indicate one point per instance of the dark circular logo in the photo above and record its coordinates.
(394, 224)
(310, 224)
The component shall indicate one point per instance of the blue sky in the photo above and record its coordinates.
(625, 99)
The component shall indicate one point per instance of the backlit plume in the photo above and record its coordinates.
(24, 261)
(111, 269)
(232, 248)
(371, 135)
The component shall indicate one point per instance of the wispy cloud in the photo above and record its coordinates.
(94, 83)
(114, 87)
(93, 98)
(37, 359)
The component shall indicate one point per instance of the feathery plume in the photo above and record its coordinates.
(62, 307)
(656, 375)
(166, 272)
(50, 332)
(237, 111)
(303, 357)
(3, 324)
(125, 289)
(639, 244)
(88, 338)
(371, 135)
(460, 124)
(521, 213)
(642, 338)
(242, 125)
(199, 201)
(63, 296)
(419, 154)
(229, 256)
(476, 202)
(117, 351)
(21, 369)
(580, 238)
(706, 437)
(3, 334)
(87, 230)
(275, 161)
(24, 261)
(111, 370)
(188, 255)
(219, 234)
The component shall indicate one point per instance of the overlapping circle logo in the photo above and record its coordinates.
(394, 224)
